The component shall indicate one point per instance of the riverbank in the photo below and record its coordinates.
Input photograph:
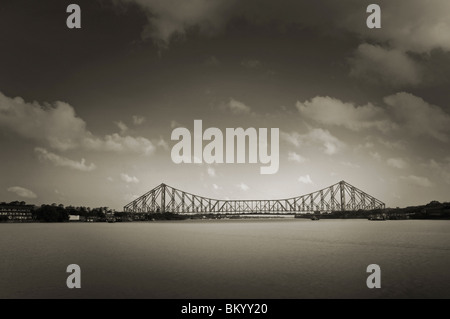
(16, 212)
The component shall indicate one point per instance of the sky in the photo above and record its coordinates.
(86, 115)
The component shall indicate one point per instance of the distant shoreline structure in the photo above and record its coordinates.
(20, 212)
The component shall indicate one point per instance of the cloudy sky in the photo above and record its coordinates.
(86, 114)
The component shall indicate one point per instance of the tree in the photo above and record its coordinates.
(50, 213)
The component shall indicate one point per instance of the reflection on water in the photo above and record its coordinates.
(227, 259)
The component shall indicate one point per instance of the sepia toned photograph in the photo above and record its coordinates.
(225, 149)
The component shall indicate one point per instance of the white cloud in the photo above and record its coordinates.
(417, 180)
(58, 126)
(211, 172)
(120, 144)
(328, 143)
(294, 157)
(397, 163)
(138, 120)
(293, 138)
(403, 112)
(22, 192)
(384, 65)
(110, 179)
(331, 111)
(122, 127)
(61, 161)
(243, 187)
(216, 187)
(129, 179)
(305, 179)
(419, 117)
(237, 107)
(162, 143)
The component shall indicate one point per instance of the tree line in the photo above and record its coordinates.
(59, 213)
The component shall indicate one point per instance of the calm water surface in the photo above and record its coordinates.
(227, 259)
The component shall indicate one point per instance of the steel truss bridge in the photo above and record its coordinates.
(338, 197)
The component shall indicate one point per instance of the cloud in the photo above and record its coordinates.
(413, 25)
(251, 64)
(173, 18)
(216, 187)
(128, 179)
(110, 179)
(57, 160)
(57, 124)
(441, 169)
(22, 192)
(328, 143)
(294, 157)
(419, 117)
(60, 128)
(408, 25)
(305, 179)
(393, 55)
(397, 163)
(332, 111)
(237, 107)
(138, 120)
(162, 143)
(122, 127)
(120, 144)
(211, 172)
(384, 65)
(293, 138)
(417, 180)
(243, 187)
(402, 112)
(174, 124)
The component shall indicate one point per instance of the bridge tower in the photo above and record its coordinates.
(163, 198)
(342, 189)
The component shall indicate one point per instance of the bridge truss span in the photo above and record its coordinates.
(338, 197)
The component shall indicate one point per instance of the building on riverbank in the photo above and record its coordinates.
(16, 212)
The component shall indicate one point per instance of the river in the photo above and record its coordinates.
(276, 258)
